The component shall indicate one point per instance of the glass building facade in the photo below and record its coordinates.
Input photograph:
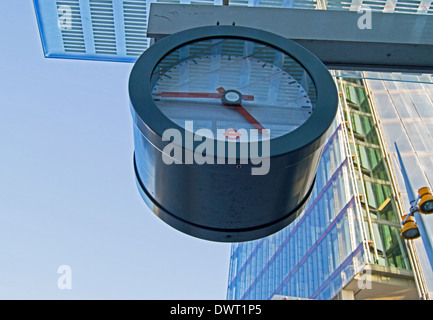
(352, 222)
(352, 219)
(377, 110)
(405, 109)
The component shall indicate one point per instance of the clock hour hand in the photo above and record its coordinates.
(242, 111)
(169, 94)
(251, 119)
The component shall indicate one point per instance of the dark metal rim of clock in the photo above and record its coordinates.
(308, 137)
(219, 234)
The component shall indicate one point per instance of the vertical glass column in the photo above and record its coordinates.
(381, 212)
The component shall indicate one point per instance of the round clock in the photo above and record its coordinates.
(229, 126)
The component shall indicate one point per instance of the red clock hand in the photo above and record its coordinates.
(251, 119)
(188, 95)
(169, 94)
(247, 115)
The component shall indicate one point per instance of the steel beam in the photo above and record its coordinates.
(395, 42)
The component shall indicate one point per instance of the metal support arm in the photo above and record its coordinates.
(341, 39)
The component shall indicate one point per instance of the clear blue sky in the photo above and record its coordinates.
(67, 188)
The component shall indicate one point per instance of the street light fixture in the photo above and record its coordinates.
(426, 200)
(424, 204)
(421, 204)
(410, 229)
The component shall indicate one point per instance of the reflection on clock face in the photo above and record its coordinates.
(233, 84)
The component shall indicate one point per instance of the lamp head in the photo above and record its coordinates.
(426, 201)
(410, 229)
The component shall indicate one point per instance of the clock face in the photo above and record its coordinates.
(225, 85)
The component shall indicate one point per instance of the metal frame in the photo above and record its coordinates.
(395, 42)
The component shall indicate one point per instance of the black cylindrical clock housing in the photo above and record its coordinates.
(221, 199)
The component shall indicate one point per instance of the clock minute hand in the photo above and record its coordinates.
(170, 94)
